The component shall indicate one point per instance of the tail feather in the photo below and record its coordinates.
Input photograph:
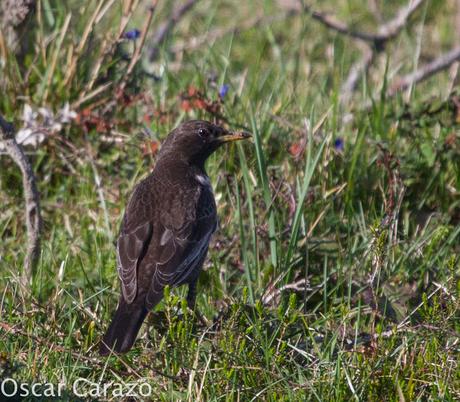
(123, 329)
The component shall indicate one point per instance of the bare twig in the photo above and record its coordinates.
(383, 34)
(375, 10)
(220, 32)
(165, 28)
(404, 322)
(100, 193)
(32, 199)
(440, 63)
(82, 42)
(393, 27)
(137, 52)
(274, 293)
(108, 45)
(374, 42)
(357, 70)
(454, 69)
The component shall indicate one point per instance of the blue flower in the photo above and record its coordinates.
(339, 144)
(223, 90)
(132, 35)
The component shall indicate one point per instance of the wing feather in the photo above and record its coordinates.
(183, 248)
(135, 235)
(131, 248)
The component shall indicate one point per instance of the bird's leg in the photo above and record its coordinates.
(191, 295)
(191, 298)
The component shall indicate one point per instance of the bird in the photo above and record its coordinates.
(166, 228)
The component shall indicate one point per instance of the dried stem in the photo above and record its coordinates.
(374, 42)
(383, 34)
(439, 64)
(274, 293)
(32, 199)
(107, 48)
(166, 27)
(357, 70)
(137, 52)
(220, 32)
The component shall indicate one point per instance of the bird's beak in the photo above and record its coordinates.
(233, 136)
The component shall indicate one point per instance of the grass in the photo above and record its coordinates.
(334, 274)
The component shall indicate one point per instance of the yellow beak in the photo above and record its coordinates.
(234, 136)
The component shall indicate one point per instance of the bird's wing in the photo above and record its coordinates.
(131, 248)
(182, 247)
(135, 235)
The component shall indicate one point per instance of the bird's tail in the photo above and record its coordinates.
(123, 329)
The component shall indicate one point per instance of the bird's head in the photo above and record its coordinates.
(194, 140)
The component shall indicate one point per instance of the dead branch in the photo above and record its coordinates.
(218, 33)
(454, 69)
(107, 46)
(374, 42)
(137, 52)
(32, 199)
(383, 34)
(274, 293)
(357, 70)
(165, 28)
(439, 64)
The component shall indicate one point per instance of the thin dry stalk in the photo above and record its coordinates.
(165, 28)
(374, 42)
(31, 196)
(217, 33)
(384, 32)
(107, 47)
(57, 51)
(439, 64)
(89, 27)
(137, 52)
(357, 70)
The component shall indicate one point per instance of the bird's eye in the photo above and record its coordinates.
(203, 132)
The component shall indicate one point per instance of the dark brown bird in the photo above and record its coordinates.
(166, 228)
